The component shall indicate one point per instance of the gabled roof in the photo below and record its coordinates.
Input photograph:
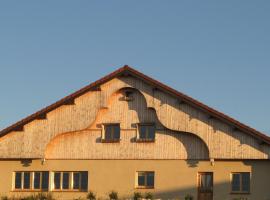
(18, 126)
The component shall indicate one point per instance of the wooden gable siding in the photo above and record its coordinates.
(31, 142)
(87, 144)
(222, 141)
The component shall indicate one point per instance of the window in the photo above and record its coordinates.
(145, 180)
(18, 180)
(65, 181)
(146, 132)
(111, 133)
(41, 180)
(241, 182)
(70, 181)
(31, 181)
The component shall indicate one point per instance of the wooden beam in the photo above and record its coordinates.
(261, 142)
(211, 117)
(70, 102)
(98, 88)
(19, 128)
(181, 101)
(234, 128)
(154, 89)
(42, 116)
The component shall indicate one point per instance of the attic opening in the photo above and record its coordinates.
(127, 94)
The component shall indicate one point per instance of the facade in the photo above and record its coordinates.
(130, 133)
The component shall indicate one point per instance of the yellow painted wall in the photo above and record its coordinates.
(173, 178)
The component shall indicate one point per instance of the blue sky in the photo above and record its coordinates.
(215, 51)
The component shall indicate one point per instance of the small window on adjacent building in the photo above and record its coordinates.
(145, 179)
(70, 181)
(241, 182)
(146, 132)
(31, 181)
(111, 133)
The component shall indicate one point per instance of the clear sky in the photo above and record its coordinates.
(218, 52)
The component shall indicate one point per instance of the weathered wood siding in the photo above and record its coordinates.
(87, 143)
(76, 126)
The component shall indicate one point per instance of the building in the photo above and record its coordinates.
(130, 133)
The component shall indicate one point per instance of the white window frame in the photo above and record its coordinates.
(31, 181)
(137, 186)
(138, 132)
(104, 130)
(241, 187)
(71, 183)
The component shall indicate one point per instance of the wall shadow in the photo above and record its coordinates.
(195, 146)
(211, 121)
(221, 191)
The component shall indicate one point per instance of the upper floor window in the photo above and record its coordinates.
(31, 181)
(240, 182)
(111, 133)
(145, 179)
(77, 181)
(146, 132)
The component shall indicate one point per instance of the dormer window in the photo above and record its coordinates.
(111, 133)
(146, 132)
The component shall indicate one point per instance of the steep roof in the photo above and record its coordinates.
(126, 70)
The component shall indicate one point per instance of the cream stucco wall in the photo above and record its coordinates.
(173, 178)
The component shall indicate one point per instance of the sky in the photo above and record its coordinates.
(217, 52)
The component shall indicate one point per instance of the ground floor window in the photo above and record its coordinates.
(240, 182)
(145, 179)
(31, 180)
(70, 181)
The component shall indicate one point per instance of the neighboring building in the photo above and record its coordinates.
(129, 133)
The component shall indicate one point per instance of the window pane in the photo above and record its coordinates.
(147, 132)
(151, 132)
(76, 180)
(36, 180)
(150, 179)
(245, 182)
(84, 181)
(112, 132)
(45, 181)
(236, 182)
(65, 184)
(18, 180)
(116, 132)
(26, 180)
(141, 179)
(57, 179)
(142, 132)
(108, 132)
